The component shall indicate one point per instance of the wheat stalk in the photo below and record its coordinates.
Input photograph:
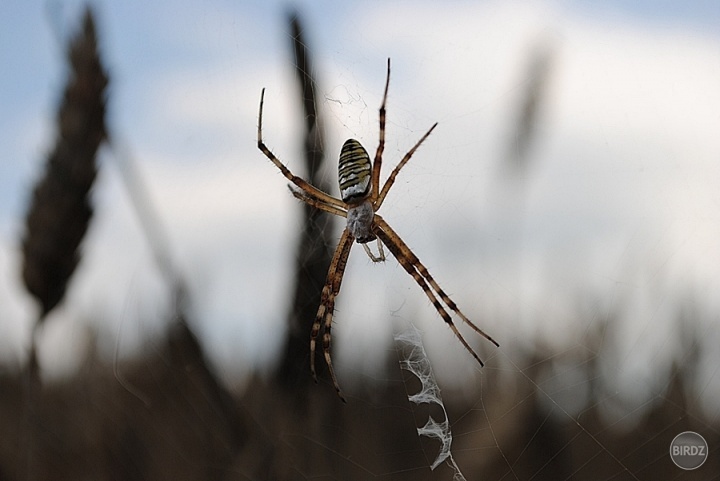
(60, 208)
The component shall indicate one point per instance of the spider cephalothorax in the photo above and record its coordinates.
(361, 198)
(359, 222)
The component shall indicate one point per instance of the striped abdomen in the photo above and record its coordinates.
(354, 169)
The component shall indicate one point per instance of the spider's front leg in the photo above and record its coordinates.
(412, 265)
(381, 253)
(327, 306)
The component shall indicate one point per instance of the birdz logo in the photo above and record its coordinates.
(688, 450)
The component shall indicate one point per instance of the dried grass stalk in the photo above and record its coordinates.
(533, 98)
(60, 209)
(314, 252)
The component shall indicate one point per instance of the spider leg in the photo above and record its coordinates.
(411, 269)
(377, 163)
(424, 272)
(391, 180)
(327, 305)
(317, 203)
(309, 189)
(381, 254)
(419, 272)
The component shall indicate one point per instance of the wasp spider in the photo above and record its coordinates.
(361, 198)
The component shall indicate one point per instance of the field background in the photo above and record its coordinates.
(158, 281)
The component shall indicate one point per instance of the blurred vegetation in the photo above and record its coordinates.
(165, 414)
(60, 209)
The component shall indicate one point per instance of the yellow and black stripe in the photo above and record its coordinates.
(354, 171)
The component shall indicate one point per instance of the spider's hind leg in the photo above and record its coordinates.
(377, 162)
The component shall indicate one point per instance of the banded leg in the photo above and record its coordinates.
(391, 180)
(327, 306)
(307, 188)
(377, 163)
(412, 258)
(318, 204)
(410, 268)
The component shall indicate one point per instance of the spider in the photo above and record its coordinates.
(361, 198)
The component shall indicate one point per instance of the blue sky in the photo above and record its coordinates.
(696, 15)
(620, 205)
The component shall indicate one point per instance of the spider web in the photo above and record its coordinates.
(415, 360)
(529, 416)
